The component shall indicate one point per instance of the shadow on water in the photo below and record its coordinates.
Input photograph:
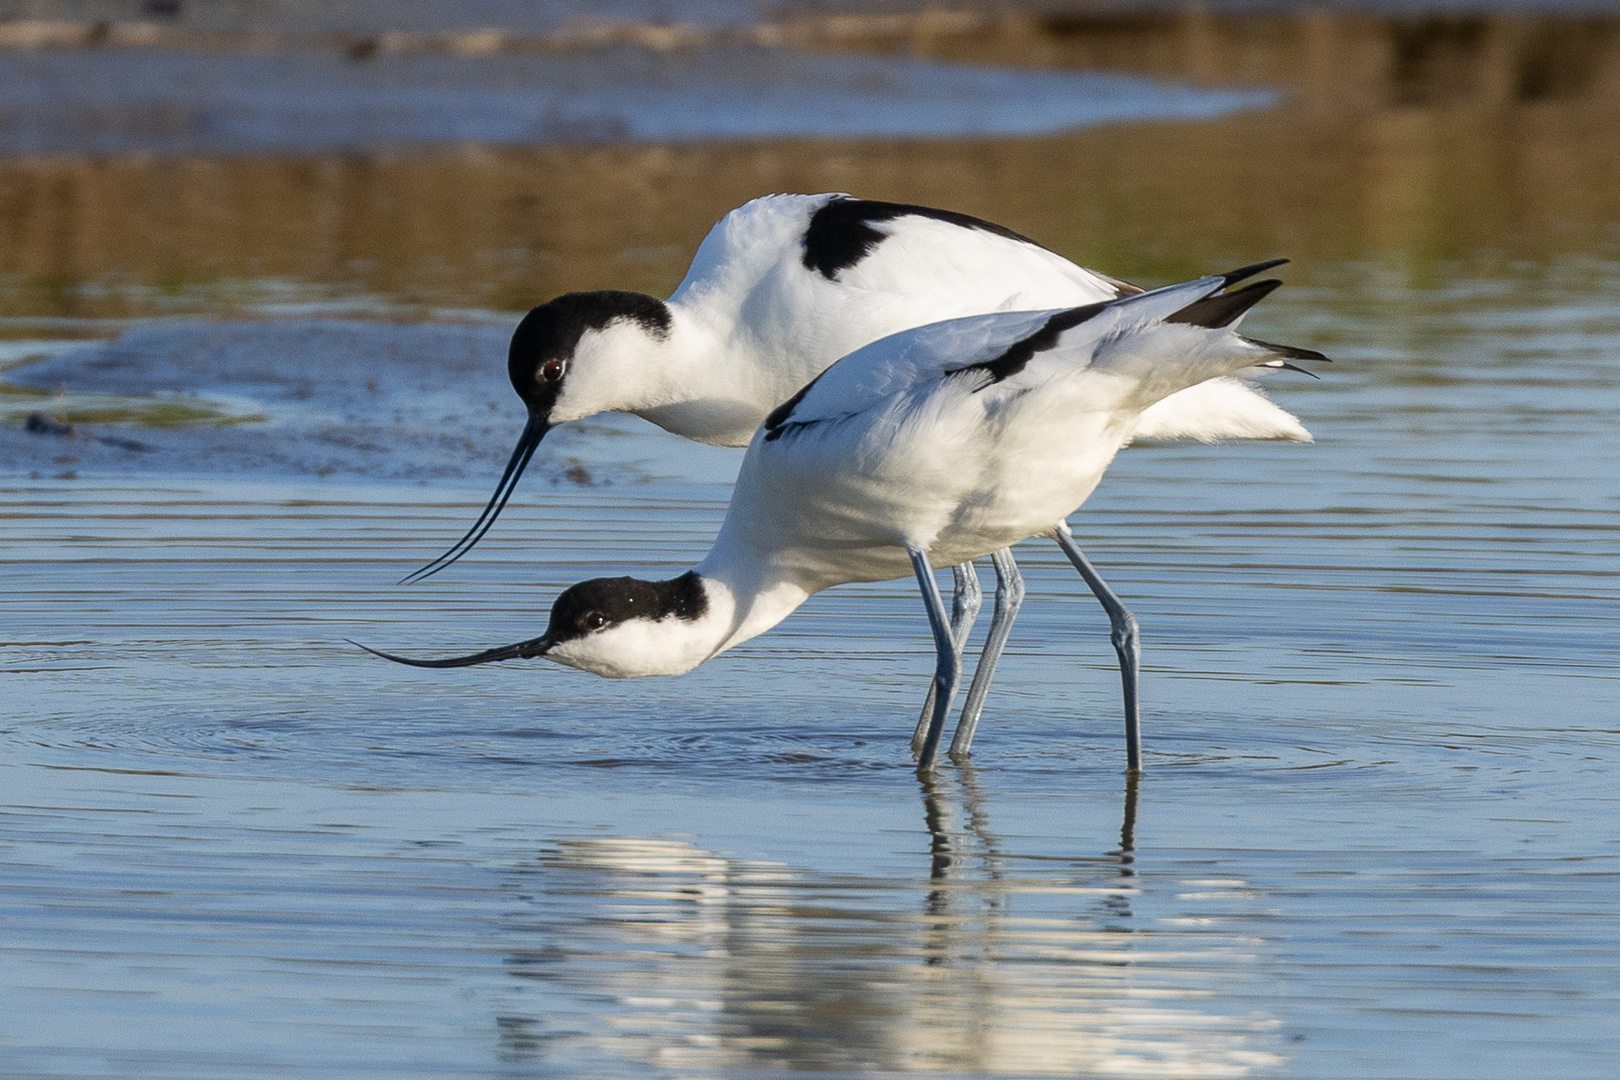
(995, 960)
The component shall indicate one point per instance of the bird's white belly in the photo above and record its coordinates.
(831, 513)
(1025, 502)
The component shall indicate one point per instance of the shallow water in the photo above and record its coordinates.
(1376, 836)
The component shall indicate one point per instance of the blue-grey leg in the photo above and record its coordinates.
(947, 669)
(965, 604)
(1122, 631)
(1009, 596)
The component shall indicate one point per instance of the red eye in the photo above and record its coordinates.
(595, 620)
(552, 370)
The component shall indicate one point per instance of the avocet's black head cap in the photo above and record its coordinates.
(588, 608)
(602, 603)
(537, 363)
(545, 340)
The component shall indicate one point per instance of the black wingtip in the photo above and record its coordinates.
(1232, 277)
(1290, 352)
(1224, 309)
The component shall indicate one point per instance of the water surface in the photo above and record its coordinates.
(1375, 838)
(182, 102)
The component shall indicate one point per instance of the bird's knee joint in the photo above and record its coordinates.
(1009, 594)
(1124, 634)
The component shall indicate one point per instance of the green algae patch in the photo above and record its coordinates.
(17, 403)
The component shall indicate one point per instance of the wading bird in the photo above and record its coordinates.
(782, 287)
(938, 444)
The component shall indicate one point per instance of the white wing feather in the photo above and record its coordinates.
(928, 354)
(937, 270)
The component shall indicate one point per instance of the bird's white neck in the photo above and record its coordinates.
(752, 607)
(713, 383)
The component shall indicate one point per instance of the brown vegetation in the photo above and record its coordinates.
(1403, 139)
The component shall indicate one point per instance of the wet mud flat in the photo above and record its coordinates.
(281, 398)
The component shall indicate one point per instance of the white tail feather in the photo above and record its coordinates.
(1224, 408)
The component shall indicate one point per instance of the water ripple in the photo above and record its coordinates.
(1375, 833)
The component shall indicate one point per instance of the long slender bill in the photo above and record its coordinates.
(523, 650)
(528, 442)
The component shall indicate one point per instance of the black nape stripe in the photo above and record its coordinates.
(606, 602)
(684, 597)
(1223, 309)
(841, 233)
(1021, 352)
(555, 327)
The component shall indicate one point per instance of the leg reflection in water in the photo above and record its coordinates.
(1118, 907)
(952, 848)
(973, 877)
(1008, 955)
(1127, 831)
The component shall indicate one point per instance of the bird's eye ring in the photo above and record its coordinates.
(552, 370)
(595, 620)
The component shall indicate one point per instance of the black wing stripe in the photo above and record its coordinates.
(1232, 277)
(777, 420)
(1122, 288)
(1019, 353)
(1008, 364)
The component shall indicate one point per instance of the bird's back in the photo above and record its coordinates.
(969, 435)
(794, 260)
(788, 284)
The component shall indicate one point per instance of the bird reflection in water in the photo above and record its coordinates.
(631, 951)
(1028, 950)
(947, 847)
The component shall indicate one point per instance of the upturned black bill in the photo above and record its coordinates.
(528, 442)
(523, 650)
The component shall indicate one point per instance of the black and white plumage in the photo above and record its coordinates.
(782, 287)
(779, 289)
(936, 445)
